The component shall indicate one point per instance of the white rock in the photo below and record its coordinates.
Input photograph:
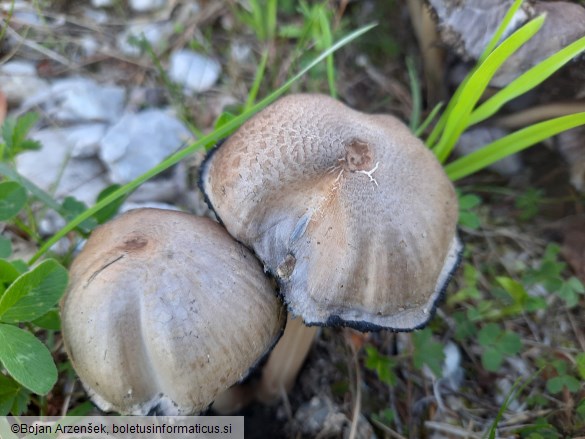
(85, 139)
(155, 33)
(101, 3)
(54, 170)
(146, 5)
(475, 138)
(139, 142)
(194, 71)
(19, 81)
(80, 99)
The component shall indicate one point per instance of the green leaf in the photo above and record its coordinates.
(469, 201)
(556, 384)
(5, 247)
(458, 120)
(14, 133)
(382, 365)
(489, 334)
(12, 199)
(511, 144)
(515, 289)
(569, 295)
(8, 273)
(469, 220)
(49, 320)
(509, 343)
(491, 359)
(427, 351)
(527, 81)
(111, 209)
(27, 360)
(72, 208)
(33, 293)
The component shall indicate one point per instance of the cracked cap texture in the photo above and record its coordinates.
(350, 212)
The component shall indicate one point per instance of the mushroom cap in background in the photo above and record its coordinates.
(350, 212)
(164, 311)
(468, 25)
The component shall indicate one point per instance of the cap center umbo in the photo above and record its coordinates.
(358, 156)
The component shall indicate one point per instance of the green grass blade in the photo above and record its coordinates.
(511, 144)
(212, 137)
(328, 41)
(440, 126)
(416, 95)
(500, 30)
(271, 19)
(458, 118)
(527, 81)
(253, 94)
(429, 119)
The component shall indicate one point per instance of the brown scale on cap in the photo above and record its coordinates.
(352, 213)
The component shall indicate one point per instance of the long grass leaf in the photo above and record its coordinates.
(416, 95)
(440, 126)
(253, 94)
(212, 137)
(527, 81)
(328, 40)
(459, 118)
(511, 144)
(496, 37)
(429, 119)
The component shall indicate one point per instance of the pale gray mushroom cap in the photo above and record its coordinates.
(164, 311)
(468, 25)
(350, 212)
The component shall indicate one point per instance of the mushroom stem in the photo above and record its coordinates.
(285, 361)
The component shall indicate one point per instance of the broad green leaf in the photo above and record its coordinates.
(511, 144)
(469, 220)
(576, 285)
(72, 208)
(515, 289)
(569, 295)
(8, 273)
(26, 359)
(110, 210)
(428, 351)
(12, 199)
(34, 190)
(5, 247)
(509, 343)
(556, 384)
(49, 320)
(491, 359)
(488, 334)
(527, 81)
(33, 293)
(14, 133)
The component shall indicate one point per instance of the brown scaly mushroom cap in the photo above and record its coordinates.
(164, 311)
(350, 212)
